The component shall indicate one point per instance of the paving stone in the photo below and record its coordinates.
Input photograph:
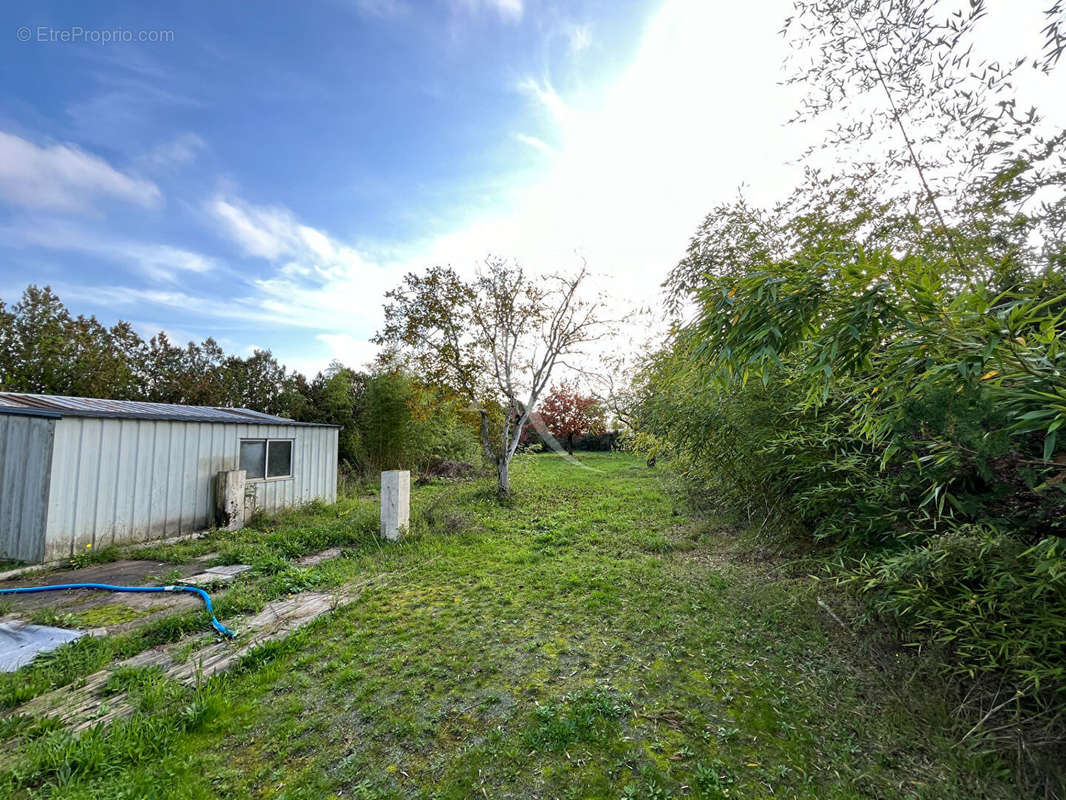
(202, 579)
(230, 570)
(317, 558)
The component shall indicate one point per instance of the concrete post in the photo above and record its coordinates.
(229, 499)
(395, 503)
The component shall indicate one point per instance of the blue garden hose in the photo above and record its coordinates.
(107, 587)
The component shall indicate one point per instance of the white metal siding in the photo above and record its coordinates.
(25, 466)
(123, 480)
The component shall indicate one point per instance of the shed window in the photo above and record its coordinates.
(253, 457)
(266, 458)
(279, 458)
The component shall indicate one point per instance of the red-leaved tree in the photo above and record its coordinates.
(565, 414)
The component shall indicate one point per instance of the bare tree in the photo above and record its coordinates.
(495, 339)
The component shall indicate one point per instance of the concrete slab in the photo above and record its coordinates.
(126, 572)
(317, 558)
(230, 570)
(206, 579)
(19, 644)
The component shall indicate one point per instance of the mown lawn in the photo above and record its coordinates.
(592, 639)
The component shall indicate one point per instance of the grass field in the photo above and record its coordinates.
(592, 639)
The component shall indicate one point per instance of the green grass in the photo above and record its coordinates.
(590, 639)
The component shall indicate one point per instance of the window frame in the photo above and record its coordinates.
(266, 458)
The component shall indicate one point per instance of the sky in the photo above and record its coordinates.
(263, 173)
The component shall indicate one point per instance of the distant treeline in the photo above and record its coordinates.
(388, 419)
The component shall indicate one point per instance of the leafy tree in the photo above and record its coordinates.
(36, 344)
(912, 105)
(387, 421)
(494, 340)
(336, 396)
(564, 413)
(43, 349)
(258, 382)
(174, 374)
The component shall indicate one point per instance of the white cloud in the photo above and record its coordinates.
(177, 152)
(544, 94)
(353, 352)
(260, 231)
(579, 38)
(129, 297)
(537, 144)
(509, 10)
(65, 178)
(159, 262)
(381, 8)
(318, 282)
(244, 309)
(274, 233)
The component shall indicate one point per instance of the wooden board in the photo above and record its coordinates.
(85, 705)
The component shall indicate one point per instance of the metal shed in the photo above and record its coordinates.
(78, 471)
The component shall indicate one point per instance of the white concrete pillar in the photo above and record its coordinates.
(229, 499)
(395, 503)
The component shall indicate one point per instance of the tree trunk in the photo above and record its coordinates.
(503, 479)
(570, 443)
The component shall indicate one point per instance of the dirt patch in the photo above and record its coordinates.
(703, 556)
(447, 469)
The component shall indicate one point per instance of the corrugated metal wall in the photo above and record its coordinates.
(25, 465)
(121, 480)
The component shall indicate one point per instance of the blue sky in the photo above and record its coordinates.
(269, 170)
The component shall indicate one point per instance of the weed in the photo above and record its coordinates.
(714, 779)
(108, 614)
(90, 556)
(586, 716)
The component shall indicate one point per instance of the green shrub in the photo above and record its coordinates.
(408, 426)
(994, 604)
(873, 399)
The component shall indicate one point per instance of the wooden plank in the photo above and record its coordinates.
(84, 706)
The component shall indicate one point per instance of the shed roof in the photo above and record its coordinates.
(60, 406)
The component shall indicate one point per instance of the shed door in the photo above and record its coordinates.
(25, 471)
